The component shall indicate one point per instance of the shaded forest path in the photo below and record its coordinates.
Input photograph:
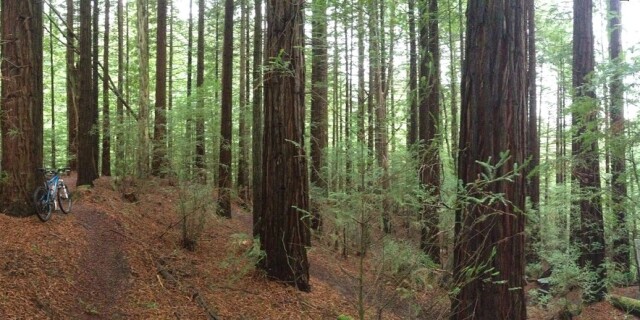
(103, 270)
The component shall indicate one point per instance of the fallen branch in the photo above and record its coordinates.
(631, 306)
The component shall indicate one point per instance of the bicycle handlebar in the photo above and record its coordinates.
(56, 171)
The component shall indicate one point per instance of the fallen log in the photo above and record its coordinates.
(628, 305)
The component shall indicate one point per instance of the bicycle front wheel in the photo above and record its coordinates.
(64, 198)
(42, 204)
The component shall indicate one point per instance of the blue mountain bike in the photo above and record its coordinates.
(53, 194)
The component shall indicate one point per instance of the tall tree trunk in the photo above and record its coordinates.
(319, 95)
(200, 145)
(143, 98)
(454, 89)
(21, 106)
(284, 234)
(533, 188)
(224, 169)
(243, 146)
(95, 78)
(429, 119)
(72, 92)
(257, 117)
(169, 136)
(189, 120)
(160, 163)
(618, 146)
(53, 92)
(381, 146)
(88, 112)
(119, 145)
(106, 127)
(412, 137)
(585, 170)
(489, 248)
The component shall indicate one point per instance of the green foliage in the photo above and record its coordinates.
(243, 255)
(406, 265)
(343, 317)
(195, 207)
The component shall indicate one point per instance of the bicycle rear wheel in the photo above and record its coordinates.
(42, 204)
(64, 198)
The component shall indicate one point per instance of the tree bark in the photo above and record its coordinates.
(160, 163)
(72, 91)
(319, 95)
(88, 112)
(243, 146)
(224, 170)
(120, 141)
(618, 146)
(533, 187)
(412, 137)
(257, 117)
(200, 145)
(21, 116)
(143, 94)
(429, 124)
(586, 168)
(489, 247)
(106, 127)
(284, 233)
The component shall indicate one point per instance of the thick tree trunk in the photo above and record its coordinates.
(412, 136)
(243, 146)
(429, 125)
(106, 127)
(200, 145)
(143, 98)
(618, 168)
(88, 112)
(257, 117)
(284, 233)
(160, 163)
(224, 171)
(489, 248)
(319, 96)
(53, 92)
(72, 91)
(95, 77)
(119, 145)
(533, 188)
(21, 106)
(585, 170)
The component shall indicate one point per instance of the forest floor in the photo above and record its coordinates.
(119, 256)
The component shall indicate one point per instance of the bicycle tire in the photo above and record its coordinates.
(64, 202)
(42, 203)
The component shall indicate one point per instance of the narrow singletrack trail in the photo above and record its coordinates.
(103, 270)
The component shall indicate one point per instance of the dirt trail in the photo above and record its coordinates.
(103, 270)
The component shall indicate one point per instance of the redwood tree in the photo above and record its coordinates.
(257, 115)
(584, 148)
(106, 128)
(489, 247)
(429, 119)
(618, 167)
(88, 110)
(224, 171)
(72, 90)
(319, 95)
(284, 229)
(160, 162)
(21, 105)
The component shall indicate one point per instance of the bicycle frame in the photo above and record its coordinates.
(52, 185)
